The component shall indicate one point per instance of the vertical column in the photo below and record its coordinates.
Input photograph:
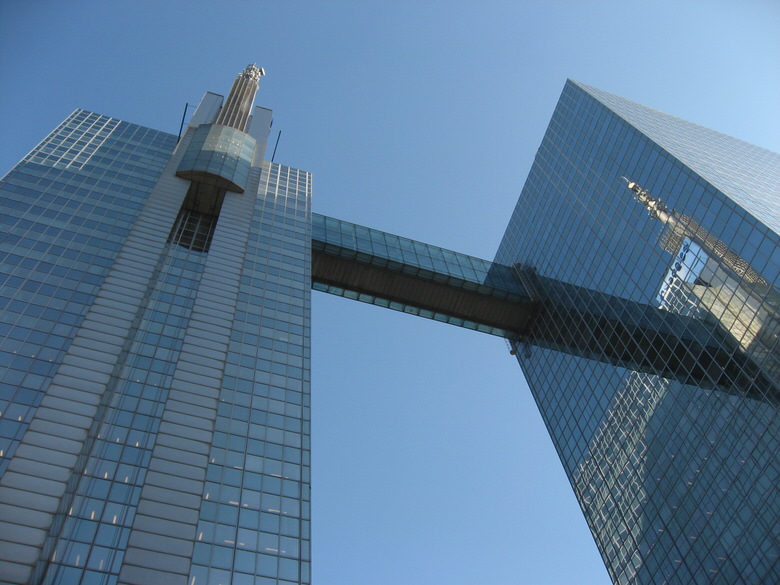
(161, 543)
(238, 106)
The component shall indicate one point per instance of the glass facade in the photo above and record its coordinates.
(678, 483)
(221, 153)
(253, 523)
(91, 544)
(67, 208)
(155, 354)
(155, 396)
(423, 262)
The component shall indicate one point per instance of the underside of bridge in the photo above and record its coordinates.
(515, 303)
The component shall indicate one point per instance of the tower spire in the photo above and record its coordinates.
(680, 226)
(655, 206)
(238, 105)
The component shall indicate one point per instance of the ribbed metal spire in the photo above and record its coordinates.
(238, 105)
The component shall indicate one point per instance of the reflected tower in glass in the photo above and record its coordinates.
(155, 343)
(678, 481)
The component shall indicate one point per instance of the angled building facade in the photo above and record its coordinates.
(154, 422)
(678, 481)
(139, 446)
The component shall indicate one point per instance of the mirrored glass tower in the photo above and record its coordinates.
(155, 360)
(677, 478)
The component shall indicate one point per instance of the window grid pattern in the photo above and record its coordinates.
(745, 171)
(193, 230)
(677, 483)
(416, 259)
(254, 524)
(220, 152)
(95, 532)
(67, 207)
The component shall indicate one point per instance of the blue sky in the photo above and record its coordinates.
(430, 461)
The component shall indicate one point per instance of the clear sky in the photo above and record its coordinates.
(430, 461)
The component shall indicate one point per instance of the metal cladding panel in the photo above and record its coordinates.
(258, 128)
(207, 109)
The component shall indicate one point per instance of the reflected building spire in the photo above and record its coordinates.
(680, 226)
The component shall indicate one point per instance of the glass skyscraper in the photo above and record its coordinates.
(154, 406)
(155, 409)
(678, 481)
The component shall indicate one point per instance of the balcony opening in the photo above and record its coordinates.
(194, 226)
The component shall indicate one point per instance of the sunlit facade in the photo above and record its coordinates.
(155, 415)
(155, 342)
(678, 482)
